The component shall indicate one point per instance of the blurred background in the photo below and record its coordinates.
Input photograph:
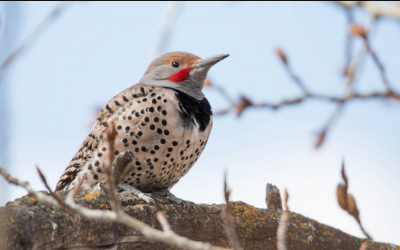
(76, 56)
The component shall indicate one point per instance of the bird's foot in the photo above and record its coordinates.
(128, 189)
(167, 194)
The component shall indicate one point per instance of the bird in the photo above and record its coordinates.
(164, 121)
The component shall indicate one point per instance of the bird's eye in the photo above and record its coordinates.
(175, 64)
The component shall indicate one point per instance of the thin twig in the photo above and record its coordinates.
(377, 10)
(282, 243)
(110, 181)
(229, 227)
(47, 21)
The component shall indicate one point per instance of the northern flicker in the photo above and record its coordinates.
(164, 120)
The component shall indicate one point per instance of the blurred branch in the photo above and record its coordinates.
(378, 10)
(168, 18)
(352, 67)
(45, 23)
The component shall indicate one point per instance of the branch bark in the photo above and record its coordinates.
(27, 224)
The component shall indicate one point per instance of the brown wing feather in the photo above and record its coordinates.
(93, 139)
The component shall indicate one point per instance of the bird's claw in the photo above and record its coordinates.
(127, 189)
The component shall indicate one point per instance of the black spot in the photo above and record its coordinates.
(152, 152)
(152, 127)
(159, 108)
(144, 149)
(164, 122)
(137, 149)
(137, 163)
(181, 152)
(97, 163)
(155, 160)
(156, 147)
(184, 165)
(90, 167)
(134, 96)
(133, 111)
(139, 168)
(144, 99)
(163, 141)
(132, 134)
(119, 127)
(95, 177)
(129, 117)
(172, 159)
(169, 149)
(98, 170)
(174, 143)
(191, 155)
(165, 163)
(117, 103)
(159, 131)
(139, 101)
(168, 155)
(143, 124)
(99, 154)
(164, 112)
(133, 174)
(126, 145)
(140, 133)
(156, 119)
(142, 90)
(146, 119)
(137, 114)
(125, 99)
(159, 97)
(127, 128)
(142, 111)
(151, 109)
(109, 109)
(104, 148)
(166, 132)
(125, 140)
(154, 101)
(116, 152)
(165, 100)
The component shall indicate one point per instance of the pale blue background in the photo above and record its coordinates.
(95, 50)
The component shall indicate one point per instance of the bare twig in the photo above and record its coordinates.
(283, 225)
(229, 227)
(290, 72)
(347, 202)
(377, 10)
(58, 198)
(35, 34)
(110, 137)
(111, 216)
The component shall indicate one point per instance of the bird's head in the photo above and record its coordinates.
(181, 71)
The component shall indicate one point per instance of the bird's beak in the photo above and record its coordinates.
(209, 61)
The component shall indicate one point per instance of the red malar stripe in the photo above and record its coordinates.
(181, 75)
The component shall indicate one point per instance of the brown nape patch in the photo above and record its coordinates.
(184, 59)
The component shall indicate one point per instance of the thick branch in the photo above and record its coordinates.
(32, 225)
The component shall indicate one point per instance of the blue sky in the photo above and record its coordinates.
(94, 50)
